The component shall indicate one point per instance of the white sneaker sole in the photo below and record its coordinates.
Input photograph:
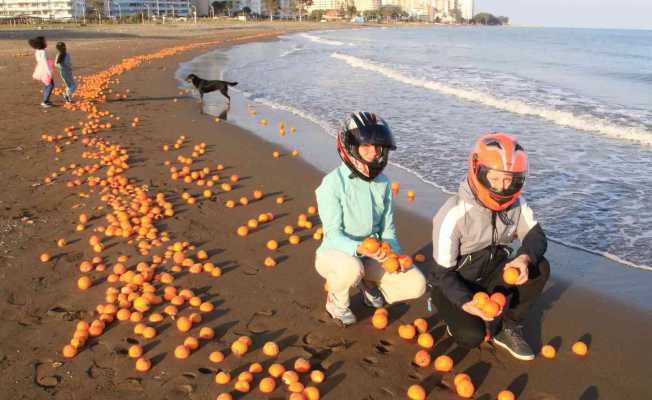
(515, 355)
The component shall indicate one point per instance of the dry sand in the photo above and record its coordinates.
(40, 303)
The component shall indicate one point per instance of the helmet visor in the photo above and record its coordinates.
(501, 183)
(378, 135)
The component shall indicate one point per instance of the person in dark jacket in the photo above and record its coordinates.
(472, 247)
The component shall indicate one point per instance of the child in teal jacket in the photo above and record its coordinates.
(355, 202)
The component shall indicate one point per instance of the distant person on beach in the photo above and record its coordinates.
(64, 65)
(472, 237)
(43, 70)
(355, 202)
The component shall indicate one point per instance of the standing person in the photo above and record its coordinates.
(43, 70)
(64, 65)
(355, 202)
(472, 237)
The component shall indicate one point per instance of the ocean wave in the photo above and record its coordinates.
(318, 39)
(291, 51)
(562, 118)
(328, 128)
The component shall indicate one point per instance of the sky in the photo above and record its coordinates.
(628, 14)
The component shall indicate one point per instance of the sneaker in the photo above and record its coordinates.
(511, 339)
(342, 314)
(46, 105)
(67, 98)
(372, 298)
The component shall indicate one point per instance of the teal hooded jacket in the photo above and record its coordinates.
(352, 209)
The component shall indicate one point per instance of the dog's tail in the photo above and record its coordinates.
(231, 83)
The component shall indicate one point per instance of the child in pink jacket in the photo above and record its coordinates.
(43, 70)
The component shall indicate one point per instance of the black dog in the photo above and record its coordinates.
(206, 86)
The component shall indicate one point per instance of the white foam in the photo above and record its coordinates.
(328, 128)
(317, 39)
(291, 51)
(562, 118)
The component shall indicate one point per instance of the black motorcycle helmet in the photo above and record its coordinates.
(365, 128)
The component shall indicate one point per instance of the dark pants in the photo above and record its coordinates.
(47, 91)
(468, 330)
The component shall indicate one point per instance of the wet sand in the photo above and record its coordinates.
(40, 303)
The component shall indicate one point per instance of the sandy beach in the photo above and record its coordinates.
(40, 303)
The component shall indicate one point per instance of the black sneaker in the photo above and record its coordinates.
(511, 339)
(372, 298)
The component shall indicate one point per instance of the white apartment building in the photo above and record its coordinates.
(365, 5)
(151, 8)
(466, 8)
(325, 5)
(52, 9)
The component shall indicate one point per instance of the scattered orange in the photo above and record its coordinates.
(416, 392)
(391, 264)
(443, 363)
(407, 332)
(242, 386)
(548, 351)
(69, 351)
(465, 389)
(143, 364)
(317, 376)
(184, 324)
(379, 321)
(276, 370)
(222, 378)
(301, 365)
(239, 348)
(425, 340)
(216, 357)
(422, 358)
(580, 348)
(421, 325)
(181, 352)
(505, 395)
(45, 257)
(270, 349)
(311, 393)
(272, 245)
(499, 298)
(84, 283)
(267, 385)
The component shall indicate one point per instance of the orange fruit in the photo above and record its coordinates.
(490, 309)
(422, 358)
(382, 310)
(242, 386)
(269, 262)
(311, 393)
(461, 377)
(272, 245)
(181, 352)
(255, 368)
(317, 376)
(416, 392)
(143, 364)
(379, 321)
(419, 258)
(267, 385)
(246, 340)
(301, 365)
(258, 194)
(395, 186)
(480, 299)
(245, 376)
(222, 378)
(391, 264)
(288, 229)
(405, 262)
(224, 396)
(371, 245)
(407, 332)
(239, 348)
(443, 363)
(206, 333)
(184, 324)
(499, 298)
(149, 332)
(465, 389)
(410, 195)
(135, 351)
(276, 370)
(191, 343)
(270, 349)
(289, 377)
(69, 351)
(510, 275)
(421, 325)
(295, 387)
(505, 395)
(294, 239)
(425, 340)
(580, 348)
(45, 257)
(216, 357)
(548, 351)
(84, 283)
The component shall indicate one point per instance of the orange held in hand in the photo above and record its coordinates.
(391, 264)
(370, 245)
(405, 262)
(499, 298)
(510, 275)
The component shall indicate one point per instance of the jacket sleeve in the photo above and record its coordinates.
(446, 238)
(388, 228)
(533, 240)
(330, 212)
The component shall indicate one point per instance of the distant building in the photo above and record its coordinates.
(55, 9)
(325, 5)
(366, 5)
(167, 8)
(466, 8)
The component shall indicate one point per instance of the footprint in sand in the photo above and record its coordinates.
(384, 347)
(262, 321)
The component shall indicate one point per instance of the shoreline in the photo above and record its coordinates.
(590, 269)
(41, 304)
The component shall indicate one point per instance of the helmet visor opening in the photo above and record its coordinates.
(378, 135)
(501, 183)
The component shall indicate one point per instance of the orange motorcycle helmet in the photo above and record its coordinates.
(497, 152)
